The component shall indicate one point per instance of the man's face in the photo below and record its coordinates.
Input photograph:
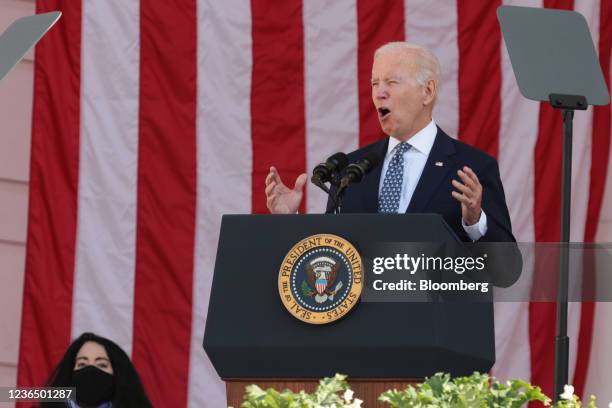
(402, 104)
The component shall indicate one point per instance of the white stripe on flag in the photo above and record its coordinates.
(581, 177)
(106, 237)
(516, 164)
(582, 138)
(330, 73)
(517, 139)
(434, 25)
(598, 374)
(224, 161)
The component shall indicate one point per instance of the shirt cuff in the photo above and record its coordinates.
(476, 231)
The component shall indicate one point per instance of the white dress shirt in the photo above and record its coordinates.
(414, 163)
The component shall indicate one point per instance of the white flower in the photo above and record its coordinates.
(356, 403)
(348, 395)
(568, 392)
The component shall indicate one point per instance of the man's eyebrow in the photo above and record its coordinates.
(82, 358)
(102, 358)
(387, 78)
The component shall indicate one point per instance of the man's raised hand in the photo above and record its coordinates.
(280, 199)
(469, 195)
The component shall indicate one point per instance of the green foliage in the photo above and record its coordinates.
(438, 391)
(306, 291)
(475, 391)
(327, 395)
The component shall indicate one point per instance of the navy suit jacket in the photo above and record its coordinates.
(433, 191)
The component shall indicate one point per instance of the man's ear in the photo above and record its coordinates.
(430, 90)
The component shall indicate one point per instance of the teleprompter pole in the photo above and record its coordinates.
(562, 340)
(567, 104)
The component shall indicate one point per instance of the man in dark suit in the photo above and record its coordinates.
(421, 169)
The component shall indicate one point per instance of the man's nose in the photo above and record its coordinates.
(381, 93)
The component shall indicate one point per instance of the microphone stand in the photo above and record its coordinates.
(337, 198)
(334, 182)
(354, 174)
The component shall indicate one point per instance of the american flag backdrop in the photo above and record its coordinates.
(153, 118)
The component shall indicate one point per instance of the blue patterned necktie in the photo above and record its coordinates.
(389, 199)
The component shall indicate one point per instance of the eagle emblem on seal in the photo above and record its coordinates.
(321, 273)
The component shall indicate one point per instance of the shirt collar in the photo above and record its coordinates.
(422, 141)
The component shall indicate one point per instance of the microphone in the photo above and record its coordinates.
(355, 172)
(324, 172)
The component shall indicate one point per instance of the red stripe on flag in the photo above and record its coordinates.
(166, 200)
(546, 214)
(600, 152)
(479, 39)
(49, 268)
(377, 24)
(277, 95)
(585, 338)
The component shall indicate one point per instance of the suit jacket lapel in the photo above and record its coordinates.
(371, 182)
(433, 174)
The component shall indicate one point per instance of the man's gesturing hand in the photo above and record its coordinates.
(279, 198)
(469, 195)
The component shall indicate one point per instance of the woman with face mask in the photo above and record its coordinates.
(101, 372)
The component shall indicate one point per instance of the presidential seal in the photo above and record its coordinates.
(320, 279)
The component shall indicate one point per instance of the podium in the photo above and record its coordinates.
(250, 337)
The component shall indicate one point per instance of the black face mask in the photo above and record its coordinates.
(93, 386)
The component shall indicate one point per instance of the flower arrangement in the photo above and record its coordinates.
(331, 393)
(571, 400)
(438, 391)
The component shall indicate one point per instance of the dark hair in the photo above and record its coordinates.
(129, 391)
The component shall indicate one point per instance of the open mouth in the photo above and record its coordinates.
(383, 112)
